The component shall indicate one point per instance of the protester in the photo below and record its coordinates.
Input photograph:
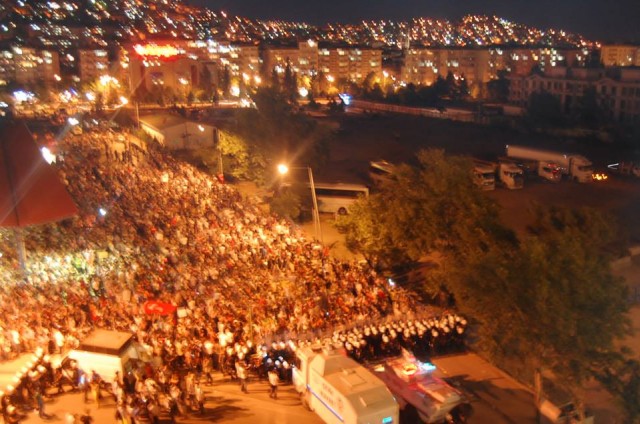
(202, 277)
(273, 383)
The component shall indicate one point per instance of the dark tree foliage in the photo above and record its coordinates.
(206, 84)
(498, 89)
(548, 299)
(274, 133)
(225, 81)
(422, 210)
(587, 111)
(545, 110)
(290, 84)
(573, 309)
(622, 379)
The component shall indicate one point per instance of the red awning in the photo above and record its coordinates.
(30, 189)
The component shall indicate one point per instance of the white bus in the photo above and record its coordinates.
(338, 197)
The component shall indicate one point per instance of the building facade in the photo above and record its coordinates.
(617, 90)
(28, 66)
(423, 65)
(620, 55)
(93, 64)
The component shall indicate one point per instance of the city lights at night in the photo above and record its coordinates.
(453, 239)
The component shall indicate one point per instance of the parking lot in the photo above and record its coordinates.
(397, 138)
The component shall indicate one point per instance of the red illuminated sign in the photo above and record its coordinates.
(165, 52)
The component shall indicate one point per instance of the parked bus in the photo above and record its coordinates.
(338, 197)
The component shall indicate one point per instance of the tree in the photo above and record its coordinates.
(238, 155)
(587, 111)
(462, 91)
(224, 82)
(290, 83)
(275, 79)
(622, 379)
(450, 85)
(548, 300)
(421, 211)
(572, 306)
(273, 132)
(287, 203)
(498, 89)
(206, 85)
(545, 109)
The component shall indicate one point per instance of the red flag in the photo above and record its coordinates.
(157, 307)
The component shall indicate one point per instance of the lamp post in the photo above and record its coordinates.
(283, 169)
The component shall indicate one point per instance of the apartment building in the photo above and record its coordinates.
(620, 55)
(28, 66)
(179, 64)
(307, 59)
(350, 63)
(242, 61)
(423, 66)
(92, 64)
(617, 89)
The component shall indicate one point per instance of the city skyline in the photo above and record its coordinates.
(613, 21)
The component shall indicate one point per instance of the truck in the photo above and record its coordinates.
(625, 168)
(484, 176)
(574, 166)
(415, 387)
(546, 170)
(510, 175)
(506, 172)
(340, 390)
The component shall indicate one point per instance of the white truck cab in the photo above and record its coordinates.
(484, 175)
(510, 175)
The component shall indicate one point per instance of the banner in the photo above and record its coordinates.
(157, 307)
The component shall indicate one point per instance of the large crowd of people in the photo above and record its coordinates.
(150, 227)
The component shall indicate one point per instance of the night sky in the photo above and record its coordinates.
(603, 20)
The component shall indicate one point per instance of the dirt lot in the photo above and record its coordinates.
(397, 138)
(362, 138)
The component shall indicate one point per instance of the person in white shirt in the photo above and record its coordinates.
(273, 383)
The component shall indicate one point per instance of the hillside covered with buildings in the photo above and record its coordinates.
(160, 49)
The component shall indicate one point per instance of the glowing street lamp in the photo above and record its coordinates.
(284, 169)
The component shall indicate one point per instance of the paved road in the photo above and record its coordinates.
(484, 385)
(495, 396)
(224, 403)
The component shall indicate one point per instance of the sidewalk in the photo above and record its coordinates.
(487, 386)
(224, 402)
(15, 368)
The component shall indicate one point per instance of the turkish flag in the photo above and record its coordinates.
(157, 307)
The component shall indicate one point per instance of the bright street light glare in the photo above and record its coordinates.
(73, 121)
(47, 155)
(283, 169)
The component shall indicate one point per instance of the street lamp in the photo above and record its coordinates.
(284, 169)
